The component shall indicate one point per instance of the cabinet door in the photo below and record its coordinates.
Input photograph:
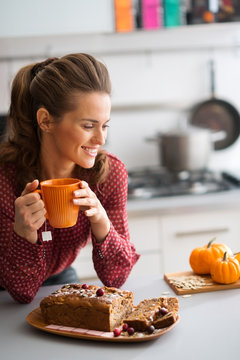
(145, 235)
(83, 264)
(182, 233)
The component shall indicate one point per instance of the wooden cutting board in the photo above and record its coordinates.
(187, 282)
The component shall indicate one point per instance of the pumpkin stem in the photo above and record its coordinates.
(210, 242)
(225, 256)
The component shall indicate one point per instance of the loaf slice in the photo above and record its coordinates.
(160, 312)
(164, 320)
(75, 306)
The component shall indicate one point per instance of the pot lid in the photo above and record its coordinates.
(188, 130)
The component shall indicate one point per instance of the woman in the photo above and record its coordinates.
(57, 125)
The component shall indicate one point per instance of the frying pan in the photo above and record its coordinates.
(217, 115)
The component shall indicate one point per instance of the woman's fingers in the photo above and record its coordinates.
(29, 212)
(88, 202)
(91, 212)
(85, 201)
(30, 187)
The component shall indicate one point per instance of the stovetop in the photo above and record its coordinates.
(152, 182)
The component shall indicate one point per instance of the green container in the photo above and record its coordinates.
(172, 12)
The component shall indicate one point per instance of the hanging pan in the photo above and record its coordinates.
(217, 115)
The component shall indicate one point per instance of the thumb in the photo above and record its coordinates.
(30, 187)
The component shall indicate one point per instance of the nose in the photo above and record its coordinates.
(99, 137)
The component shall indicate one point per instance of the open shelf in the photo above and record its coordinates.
(182, 38)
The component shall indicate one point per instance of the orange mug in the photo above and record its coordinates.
(57, 195)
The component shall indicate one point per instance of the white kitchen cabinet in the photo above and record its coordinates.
(83, 264)
(183, 232)
(170, 237)
(145, 235)
(166, 241)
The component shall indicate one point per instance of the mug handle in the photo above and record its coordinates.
(40, 192)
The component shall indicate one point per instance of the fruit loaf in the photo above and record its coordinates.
(159, 312)
(167, 315)
(88, 307)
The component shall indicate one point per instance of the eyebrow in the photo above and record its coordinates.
(94, 121)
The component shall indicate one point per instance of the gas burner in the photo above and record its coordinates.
(198, 188)
(146, 183)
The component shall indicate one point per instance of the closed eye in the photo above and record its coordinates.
(90, 124)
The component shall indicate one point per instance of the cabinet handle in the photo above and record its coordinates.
(201, 232)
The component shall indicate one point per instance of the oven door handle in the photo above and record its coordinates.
(202, 232)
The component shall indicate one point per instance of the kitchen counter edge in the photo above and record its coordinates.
(188, 203)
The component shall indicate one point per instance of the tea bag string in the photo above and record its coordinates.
(46, 234)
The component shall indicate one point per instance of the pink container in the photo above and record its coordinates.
(151, 14)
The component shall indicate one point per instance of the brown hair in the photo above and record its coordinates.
(49, 84)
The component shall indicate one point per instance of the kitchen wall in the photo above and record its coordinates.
(21, 18)
(151, 89)
(178, 79)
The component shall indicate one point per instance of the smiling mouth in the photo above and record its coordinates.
(90, 151)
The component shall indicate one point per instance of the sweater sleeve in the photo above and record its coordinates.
(115, 257)
(22, 264)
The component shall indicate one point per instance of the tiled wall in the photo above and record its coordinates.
(174, 79)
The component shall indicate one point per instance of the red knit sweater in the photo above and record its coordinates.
(25, 266)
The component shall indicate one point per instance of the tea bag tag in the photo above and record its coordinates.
(46, 235)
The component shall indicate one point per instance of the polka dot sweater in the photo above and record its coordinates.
(25, 266)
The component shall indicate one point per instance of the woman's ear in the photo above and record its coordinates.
(44, 120)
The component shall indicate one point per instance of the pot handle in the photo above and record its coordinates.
(151, 139)
(212, 77)
(155, 138)
(218, 135)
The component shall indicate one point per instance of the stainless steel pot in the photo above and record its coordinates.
(186, 149)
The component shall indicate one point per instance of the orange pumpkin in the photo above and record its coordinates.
(237, 256)
(225, 270)
(201, 258)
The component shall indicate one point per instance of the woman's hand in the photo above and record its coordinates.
(29, 213)
(93, 209)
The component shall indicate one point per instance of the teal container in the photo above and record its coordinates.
(172, 13)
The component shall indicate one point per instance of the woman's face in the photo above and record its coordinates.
(80, 134)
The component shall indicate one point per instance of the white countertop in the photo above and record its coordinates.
(177, 204)
(208, 329)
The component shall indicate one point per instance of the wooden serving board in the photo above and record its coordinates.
(187, 278)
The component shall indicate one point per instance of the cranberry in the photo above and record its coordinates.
(163, 311)
(100, 292)
(125, 327)
(85, 286)
(117, 332)
(150, 329)
(130, 330)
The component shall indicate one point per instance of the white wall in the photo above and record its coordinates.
(181, 78)
(45, 17)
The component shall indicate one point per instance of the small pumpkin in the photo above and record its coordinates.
(225, 270)
(237, 256)
(201, 258)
